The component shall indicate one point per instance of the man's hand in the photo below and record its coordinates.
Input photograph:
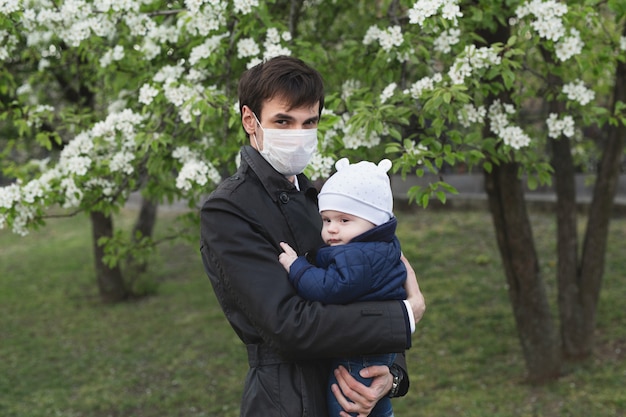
(287, 257)
(414, 295)
(355, 397)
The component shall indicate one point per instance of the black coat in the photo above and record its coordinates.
(289, 340)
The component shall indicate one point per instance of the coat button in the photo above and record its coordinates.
(284, 198)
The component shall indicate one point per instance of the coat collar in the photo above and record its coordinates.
(273, 181)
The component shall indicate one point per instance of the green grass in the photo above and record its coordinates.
(63, 353)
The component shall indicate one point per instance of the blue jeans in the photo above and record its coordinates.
(354, 365)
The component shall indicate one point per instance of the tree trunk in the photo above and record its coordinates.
(567, 276)
(570, 314)
(594, 244)
(110, 280)
(144, 226)
(526, 289)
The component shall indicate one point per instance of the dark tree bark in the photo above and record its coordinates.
(110, 281)
(144, 226)
(570, 313)
(531, 309)
(594, 244)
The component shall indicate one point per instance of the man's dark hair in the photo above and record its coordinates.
(282, 76)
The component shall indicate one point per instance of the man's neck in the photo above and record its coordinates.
(294, 180)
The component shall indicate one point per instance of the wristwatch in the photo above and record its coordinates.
(395, 384)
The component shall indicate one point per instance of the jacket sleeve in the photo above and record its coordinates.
(340, 282)
(263, 307)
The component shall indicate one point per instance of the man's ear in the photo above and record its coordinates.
(248, 120)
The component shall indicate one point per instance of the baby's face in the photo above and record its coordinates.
(340, 228)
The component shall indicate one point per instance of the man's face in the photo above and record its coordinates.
(277, 115)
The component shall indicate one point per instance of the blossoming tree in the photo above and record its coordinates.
(142, 96)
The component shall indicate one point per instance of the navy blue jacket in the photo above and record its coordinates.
(366, 269)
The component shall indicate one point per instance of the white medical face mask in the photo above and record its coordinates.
(288, 151)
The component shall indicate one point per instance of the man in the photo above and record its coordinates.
(290, 340)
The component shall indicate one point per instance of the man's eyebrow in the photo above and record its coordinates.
(285, 116)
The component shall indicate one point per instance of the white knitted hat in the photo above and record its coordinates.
(360, 189)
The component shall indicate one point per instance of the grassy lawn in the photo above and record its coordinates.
(63, 353)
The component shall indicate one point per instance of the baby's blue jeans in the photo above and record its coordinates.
(354, 365)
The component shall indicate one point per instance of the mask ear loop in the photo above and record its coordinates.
(254, 134)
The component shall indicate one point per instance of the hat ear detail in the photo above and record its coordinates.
(385, 165)
(342, 163)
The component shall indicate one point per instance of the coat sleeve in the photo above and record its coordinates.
(342, 281)
(263, 307)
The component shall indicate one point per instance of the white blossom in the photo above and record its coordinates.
(390, 38)
(193, 6)
(121, 162)
(9, 195)
(24, 215)
(622, 43)
(471, 59)
(77, 165)
(196, 75)
(194, 171)
(425, 84)
(423, 9)
(547, 14)
(9, 6)
(115, 54)
(416, 151)
(272, 50)
(387, 92)
(210, 18)
(371, 36)
(511, 135)
(557, 126)
(139, 24)
(168, 73)
(205, 49)
(147, 93)
(359, 138)
(470, 114)
(272, 45)
(183, 154)
(82, 144)
(247, 47)
(576, 91)
(245, 6)
(150, 49)
(178, 95)
(446, 39)
(33, 190)
(515, 137)
(320, 166)
(73, 194)
(569, 46)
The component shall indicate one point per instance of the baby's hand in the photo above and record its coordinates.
(288, 256)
